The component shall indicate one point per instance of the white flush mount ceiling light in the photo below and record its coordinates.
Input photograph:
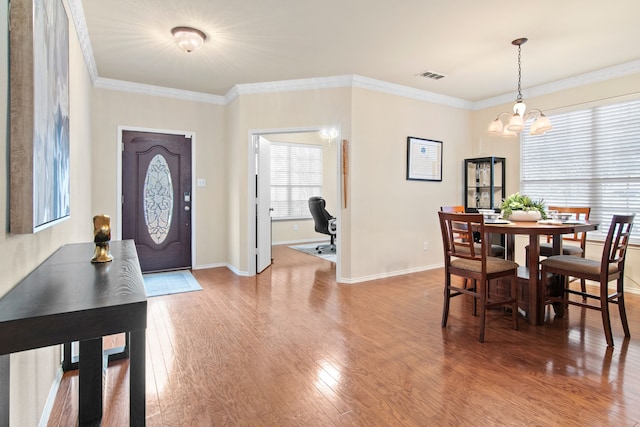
(188, 39)
(516, 122)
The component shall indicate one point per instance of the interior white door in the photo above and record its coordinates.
(263, 205)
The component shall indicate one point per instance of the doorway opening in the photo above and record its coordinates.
(297, 225)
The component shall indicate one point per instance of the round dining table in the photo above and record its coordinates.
(534, 230)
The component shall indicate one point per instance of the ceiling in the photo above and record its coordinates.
(255, 41)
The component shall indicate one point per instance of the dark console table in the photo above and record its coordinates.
(67, 298)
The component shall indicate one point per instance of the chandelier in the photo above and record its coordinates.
(516, 122)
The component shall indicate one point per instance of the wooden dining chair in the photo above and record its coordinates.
(579, 249)
(610, 267)
(496, 250)
(465, 259)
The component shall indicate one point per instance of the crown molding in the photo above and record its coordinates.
(144, 89)
(288, 86)
(77, 15)
(346, 81)
(408, 92)
(592, 77)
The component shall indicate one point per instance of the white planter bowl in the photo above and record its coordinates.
(525, 216)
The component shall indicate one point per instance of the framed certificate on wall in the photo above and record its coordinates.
(424, 159)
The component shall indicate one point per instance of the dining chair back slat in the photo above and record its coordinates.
(581, 214)
(462, 233)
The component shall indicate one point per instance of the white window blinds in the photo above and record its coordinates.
(590, 158)
(296, 175)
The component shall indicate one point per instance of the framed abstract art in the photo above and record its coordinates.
(39, 102)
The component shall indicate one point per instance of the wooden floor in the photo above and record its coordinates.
(291, 347)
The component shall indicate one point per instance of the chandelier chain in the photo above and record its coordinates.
(519, 98)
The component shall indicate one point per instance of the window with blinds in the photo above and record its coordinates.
(590, 158)
(296, 175)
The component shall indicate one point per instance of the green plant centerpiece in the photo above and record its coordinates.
(520, 202)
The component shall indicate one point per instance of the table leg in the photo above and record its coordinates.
(137, 378)
(5, 369)
(510, 241)
(90, 383)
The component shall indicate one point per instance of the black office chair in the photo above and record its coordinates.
(324, 222)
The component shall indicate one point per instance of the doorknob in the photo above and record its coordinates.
(187, 208)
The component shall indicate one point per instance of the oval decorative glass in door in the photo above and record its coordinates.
(158, 199)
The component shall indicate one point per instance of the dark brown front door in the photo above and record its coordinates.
(156, 198)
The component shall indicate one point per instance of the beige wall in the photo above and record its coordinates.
(264, 112)
(114, 109)
(615, 90)
(387, 219)
(391, 217)
(33, 372)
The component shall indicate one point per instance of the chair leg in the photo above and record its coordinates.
(621, 307)
(604, 310)
(483, 307)
(447, 297)
(475, 299)
(542, 294)
(514, 305)
(561, 307)
(583, 288)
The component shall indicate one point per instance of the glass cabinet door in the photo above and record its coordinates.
(484, 183)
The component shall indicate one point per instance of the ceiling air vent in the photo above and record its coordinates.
(431, 75)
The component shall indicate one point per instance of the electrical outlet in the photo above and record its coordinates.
(426, 246)
(295, 227)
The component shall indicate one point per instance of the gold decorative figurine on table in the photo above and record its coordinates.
(101, 237)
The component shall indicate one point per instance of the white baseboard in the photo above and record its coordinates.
(300, 242)
(389, 274)
(51, 398)
(205, 266)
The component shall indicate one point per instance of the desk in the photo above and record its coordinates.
(67, 298)
(534, 230)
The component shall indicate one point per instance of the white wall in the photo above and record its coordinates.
(33, 372)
